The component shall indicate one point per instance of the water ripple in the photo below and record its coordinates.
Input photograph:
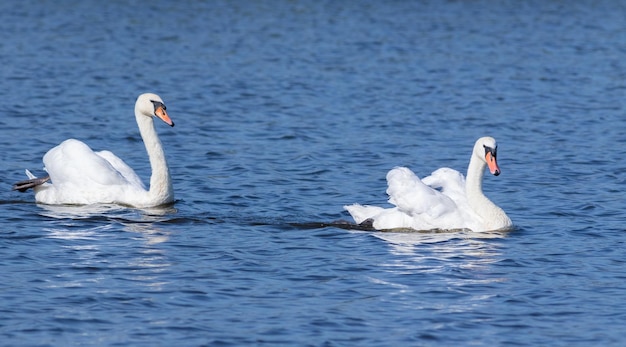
(286, 111)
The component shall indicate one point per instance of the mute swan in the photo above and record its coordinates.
(444, 200)
(82, 176)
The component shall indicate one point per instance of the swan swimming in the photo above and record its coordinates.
(445, 200)
(81, 176)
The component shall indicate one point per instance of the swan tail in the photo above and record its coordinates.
(361, 213)
(31, 182)
(29, 174)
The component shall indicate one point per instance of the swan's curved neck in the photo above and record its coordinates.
(474, 183)
(161, 190)
(493, 216)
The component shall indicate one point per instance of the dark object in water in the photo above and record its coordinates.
(366, 225)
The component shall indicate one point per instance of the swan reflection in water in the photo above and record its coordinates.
(141, 221)
(411, 238)
(439, 273)
(449, 264)
(91, 234)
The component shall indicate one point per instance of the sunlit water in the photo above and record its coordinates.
(285, 111)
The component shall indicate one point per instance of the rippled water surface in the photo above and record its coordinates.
(285, 111)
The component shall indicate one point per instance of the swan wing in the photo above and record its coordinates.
(73, 163)
(120, 166)
(449, 182)
(415, 198)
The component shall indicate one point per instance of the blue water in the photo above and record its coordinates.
(285, 111)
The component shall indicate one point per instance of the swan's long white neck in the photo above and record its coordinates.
(161, 190)
(493, 216)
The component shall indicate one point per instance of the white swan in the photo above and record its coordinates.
(82, 176)
(444, 200)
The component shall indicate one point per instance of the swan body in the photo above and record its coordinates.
(444, 200)
(79, 175)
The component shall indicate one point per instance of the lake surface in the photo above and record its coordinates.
(285, 111)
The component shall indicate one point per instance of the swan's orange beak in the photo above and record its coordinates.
(161, 113)
(492, 163)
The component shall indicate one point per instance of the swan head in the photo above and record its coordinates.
(486, 149)
(151, 105)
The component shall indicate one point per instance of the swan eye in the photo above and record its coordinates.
(158, 104)
(490, 150)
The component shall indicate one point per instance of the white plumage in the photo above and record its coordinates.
(444, 200)
(79, 175)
